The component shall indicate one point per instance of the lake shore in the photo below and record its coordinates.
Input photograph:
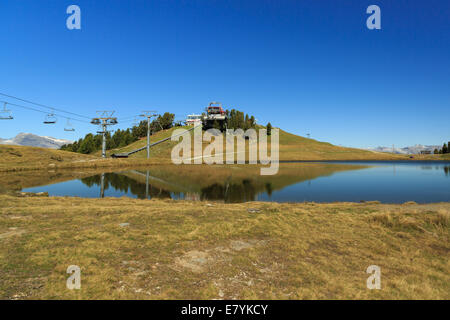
(19, 158)
(165, 249)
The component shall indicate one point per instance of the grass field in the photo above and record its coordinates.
(20, 158)
(154, 249)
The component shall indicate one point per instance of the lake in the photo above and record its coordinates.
(387, 182)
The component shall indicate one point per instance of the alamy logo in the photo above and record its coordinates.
(74, 20)
(374, 281)
(74, 281)
(247, 142)
(374, 20)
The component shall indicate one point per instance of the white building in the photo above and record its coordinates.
(194, 119)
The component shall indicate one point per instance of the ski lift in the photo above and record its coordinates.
(69, 126)
(113, 121)
(50, 118)
(95, 121)
(5, 114)
(100, 130)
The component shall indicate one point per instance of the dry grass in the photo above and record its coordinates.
(198, 250)
(20, 158)
(13, 158)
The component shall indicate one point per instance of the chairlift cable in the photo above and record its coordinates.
(44, 106)
(41, 111)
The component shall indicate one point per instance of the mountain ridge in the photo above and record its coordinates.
(415, 149)
(33, 140)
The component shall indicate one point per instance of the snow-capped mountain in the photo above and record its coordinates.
(416, 149)
(32, 140)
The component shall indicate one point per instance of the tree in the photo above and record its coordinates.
(98, 140)
(246, 122)
(269, 129)
(444, 148)
(216, 125)
(240, 120)
(436, 151)
(87, 146)
(252, 122)
(140, 130)
(166, 120)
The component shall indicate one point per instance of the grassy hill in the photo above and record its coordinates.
(292, 147)
(14, 158)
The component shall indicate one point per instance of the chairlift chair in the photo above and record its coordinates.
(5, 114)
(113, 121)
(50, 118)
(95, 121)
(100, 130)
(69, 126)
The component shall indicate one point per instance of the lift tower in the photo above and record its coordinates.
(104, 119)
(148, 115)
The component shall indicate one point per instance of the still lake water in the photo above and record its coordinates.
(388, 182)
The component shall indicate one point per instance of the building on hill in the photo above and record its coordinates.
(193, 119)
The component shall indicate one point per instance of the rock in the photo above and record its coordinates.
(253, 210)
(125, 224)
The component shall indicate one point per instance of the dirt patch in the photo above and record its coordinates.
(239, 245)
(199, 261)
(11, 234)
(19, 217)
(194, 260)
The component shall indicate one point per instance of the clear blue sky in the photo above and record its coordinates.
(305, 66)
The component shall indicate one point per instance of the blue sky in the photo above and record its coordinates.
(305, 66)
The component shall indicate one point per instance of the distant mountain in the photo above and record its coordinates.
(32, 140)
(407, 150)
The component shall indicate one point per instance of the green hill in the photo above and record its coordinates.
(292, 147)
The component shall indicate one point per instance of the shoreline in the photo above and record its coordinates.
(129, 163)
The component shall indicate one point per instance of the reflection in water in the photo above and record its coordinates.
(125, 184)
(383, 181)
(102, 185)
(230, 192)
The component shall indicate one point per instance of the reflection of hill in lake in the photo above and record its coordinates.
(14, 181)
(228, 183)
(123, 183)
